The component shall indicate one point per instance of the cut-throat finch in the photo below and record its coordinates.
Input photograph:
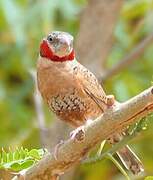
(72, 92)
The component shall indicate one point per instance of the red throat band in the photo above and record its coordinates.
(46, 52)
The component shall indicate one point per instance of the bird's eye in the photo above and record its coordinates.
(50, 39)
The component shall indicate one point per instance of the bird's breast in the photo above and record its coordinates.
(64, 96)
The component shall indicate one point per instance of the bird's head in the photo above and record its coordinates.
(57, 46)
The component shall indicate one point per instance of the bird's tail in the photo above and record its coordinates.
(127, 156)
(130, 160)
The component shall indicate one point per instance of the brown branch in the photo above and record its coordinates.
(95, 36)
(130, 58)
(115, 119)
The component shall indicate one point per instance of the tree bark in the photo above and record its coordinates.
(114, 120)
(95, 36)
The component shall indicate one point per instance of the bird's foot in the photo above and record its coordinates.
(55, 153)
(78, 134)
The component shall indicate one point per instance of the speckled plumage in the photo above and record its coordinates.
(71, 91)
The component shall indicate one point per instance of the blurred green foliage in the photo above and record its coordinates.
(23, 23)
(22, 26)
(20, 158)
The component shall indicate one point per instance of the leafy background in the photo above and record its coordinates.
(23, 23)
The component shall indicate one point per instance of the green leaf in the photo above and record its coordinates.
(7, 165)
(16, 166)
(42, 152)
(4, 155)
(10, 156)
(34, 153)
(16, 155)
(22, 153)
(27, 164)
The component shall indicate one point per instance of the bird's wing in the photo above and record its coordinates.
(91, 86)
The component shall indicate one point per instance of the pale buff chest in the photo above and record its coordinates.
(63, 93)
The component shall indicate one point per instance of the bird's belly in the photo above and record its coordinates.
(74, 109)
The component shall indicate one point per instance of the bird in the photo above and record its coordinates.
(73, 92)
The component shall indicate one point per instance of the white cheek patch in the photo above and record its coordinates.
(62, 50)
